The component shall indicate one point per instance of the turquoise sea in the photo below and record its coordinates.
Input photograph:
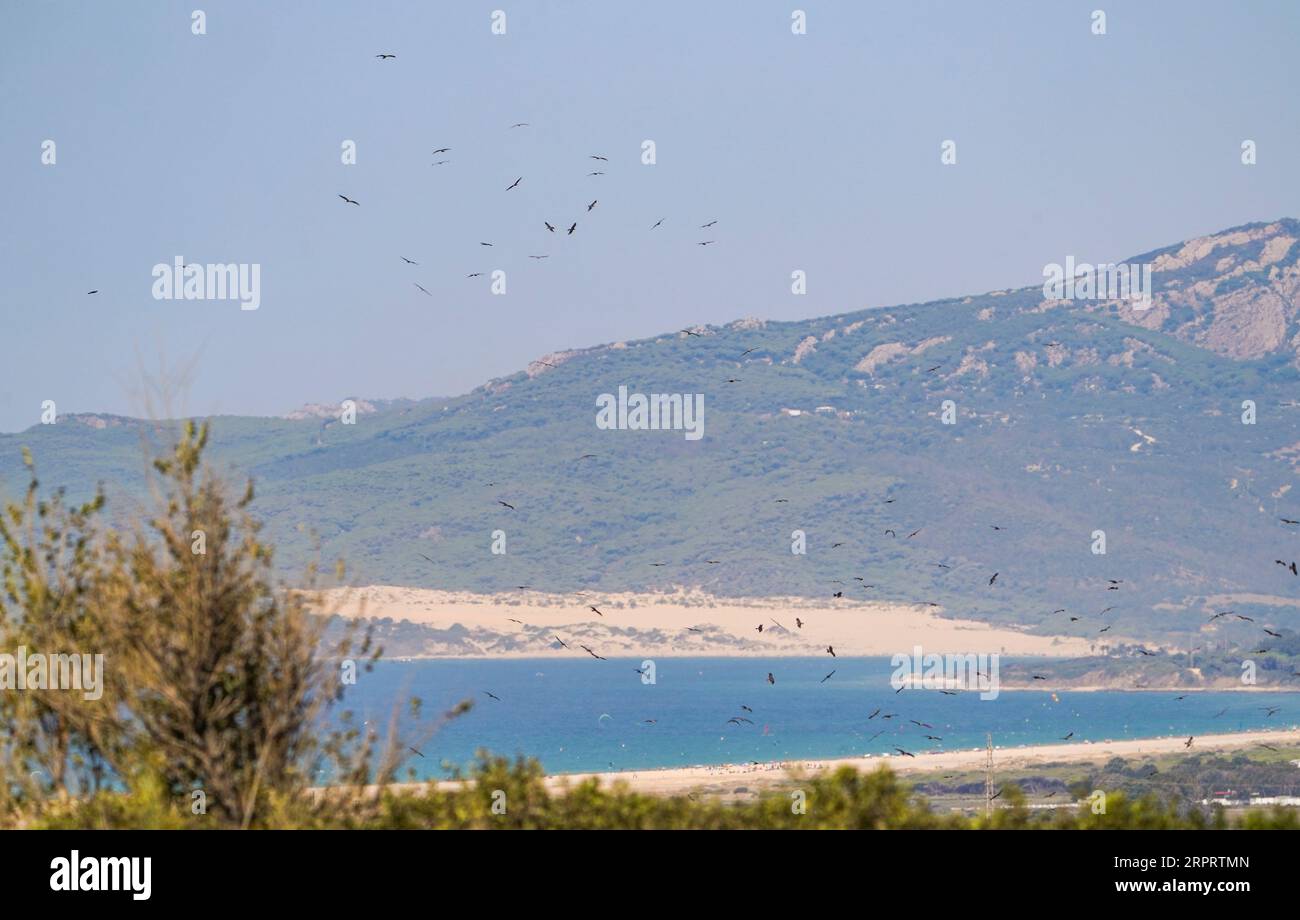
(577, 715)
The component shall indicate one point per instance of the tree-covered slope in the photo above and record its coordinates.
(1070, 417)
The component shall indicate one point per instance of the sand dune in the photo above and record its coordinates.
(682, 623)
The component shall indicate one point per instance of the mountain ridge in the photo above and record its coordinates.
(1069, 417)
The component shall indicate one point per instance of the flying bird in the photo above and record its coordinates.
(561, 641)
(492, 695)
(350, 201)
(770, 678)
(421, 288)
(656, 224)
(594, 157)
(593, 203)
(592, 654)
(513, 184)
(708, 225)
(572, 227)
(593, 609)
(831, 649)
(408, 261)
(442, 150)
(826, 678)
(384, 57)
(994, 578)
(507, 504)
(548, 226)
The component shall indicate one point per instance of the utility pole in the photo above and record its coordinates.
(988, 779)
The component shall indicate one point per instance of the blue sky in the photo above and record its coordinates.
(817, 152)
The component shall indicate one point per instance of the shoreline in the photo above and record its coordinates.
(681, 780)
(729, 778)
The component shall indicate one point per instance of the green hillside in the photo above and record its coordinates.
(1072, 417)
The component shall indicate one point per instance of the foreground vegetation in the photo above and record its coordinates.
(512, 795)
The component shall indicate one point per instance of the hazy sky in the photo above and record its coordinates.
(817, 152)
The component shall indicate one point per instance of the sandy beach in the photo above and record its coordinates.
(754, 777)
(524, 624)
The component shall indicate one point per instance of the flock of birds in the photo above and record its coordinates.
(545, 223)
(558, 227)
